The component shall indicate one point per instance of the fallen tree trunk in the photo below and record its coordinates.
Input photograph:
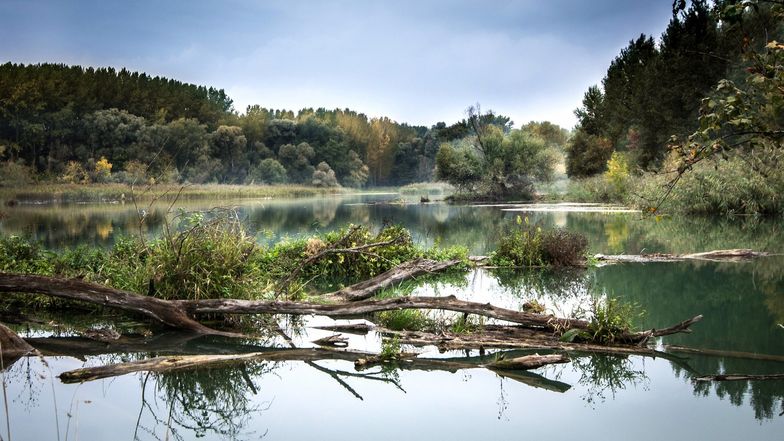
(178, 313)
(404, 271)
(733, 255)
(184, 362)
(12, 346)
(163, 311)
(528, 362)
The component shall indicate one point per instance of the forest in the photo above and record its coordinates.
(85, 125)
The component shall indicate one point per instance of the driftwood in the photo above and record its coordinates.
(163, 311)
(725, 354)
(184, 362)
(408, 270)
(178, 313)
(733, 255)
(337, 341)
(740, 377)
(352, 328)
(12, 346)
(528, 362)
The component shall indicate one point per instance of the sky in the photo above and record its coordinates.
(414, 61)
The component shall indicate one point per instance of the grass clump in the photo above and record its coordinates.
(717, 187)
(390, 349)
(404, 320)
(612, 318)
(526, 245)
(205, 260)
(209, 257)
(609, 320)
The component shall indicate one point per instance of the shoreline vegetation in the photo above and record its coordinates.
(115, 192)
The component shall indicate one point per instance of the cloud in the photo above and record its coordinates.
(415, 61)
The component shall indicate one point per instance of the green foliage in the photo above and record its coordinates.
(743, 120)
(496, 164)
(268, 171)
(404, 320)
(20, 255)
(715, 187)
(594, 189)
(587, 154)
(610, 319)
(390, 349)
(520, 245)
(527, 245)
(324, 176)
(653, 89)
(207, 259)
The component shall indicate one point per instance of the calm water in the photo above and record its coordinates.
(594, 397)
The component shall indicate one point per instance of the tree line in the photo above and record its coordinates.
(82, 125)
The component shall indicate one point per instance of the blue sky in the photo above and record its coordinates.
(414, 61)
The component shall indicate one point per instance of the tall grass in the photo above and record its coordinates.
(214, 257)
(123, 192)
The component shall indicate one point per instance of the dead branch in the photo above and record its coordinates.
(12, 346)
(528, 362)
(733, 255)
(163, 311)
(407, 270)
(335, 248)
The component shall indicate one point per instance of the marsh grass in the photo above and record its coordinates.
(214, 257)
(123, 192)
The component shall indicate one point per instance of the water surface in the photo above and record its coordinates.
(594, 397)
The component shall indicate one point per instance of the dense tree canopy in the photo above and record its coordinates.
(654, 90)
(496, 161)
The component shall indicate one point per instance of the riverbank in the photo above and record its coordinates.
(114, 193)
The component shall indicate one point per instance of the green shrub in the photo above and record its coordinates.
(206, 260)
(20, 255)
(610, 319)
(528, 245)
(404, 320)
(723, 187)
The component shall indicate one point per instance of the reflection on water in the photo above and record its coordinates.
(743, 303)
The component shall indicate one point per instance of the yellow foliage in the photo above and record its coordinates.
(103, 168)
(617, 172)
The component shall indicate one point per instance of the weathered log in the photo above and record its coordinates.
(363, 307)
(336, 340)
(351, 328)
(406, 362)
(740, 377)
(163, 311)
(514, 337)
(12, 346)
(405, 271)
(528, 362)
(733, 255)
(178, 313)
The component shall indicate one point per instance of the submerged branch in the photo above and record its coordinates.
(733, 255)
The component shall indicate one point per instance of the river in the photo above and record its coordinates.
(594, 397)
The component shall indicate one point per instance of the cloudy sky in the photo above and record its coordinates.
(417, 61)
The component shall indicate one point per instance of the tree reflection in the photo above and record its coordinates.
(205, 401)
(605, 375)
